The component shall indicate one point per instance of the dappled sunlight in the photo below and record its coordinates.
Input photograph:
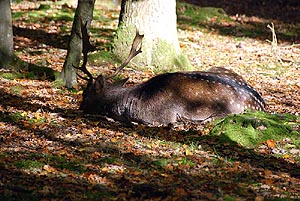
(51, 150)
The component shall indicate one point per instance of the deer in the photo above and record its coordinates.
(194, 96)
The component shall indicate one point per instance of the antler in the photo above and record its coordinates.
(86, 48)
(137, 42)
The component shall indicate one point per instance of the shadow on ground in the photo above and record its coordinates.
(252, 18)
(156, 182)
(283, 10)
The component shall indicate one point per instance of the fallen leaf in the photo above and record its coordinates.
(271, 143)
(180, 192)
(268, 173)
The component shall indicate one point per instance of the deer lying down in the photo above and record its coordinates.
(172, 97)
(169, 97)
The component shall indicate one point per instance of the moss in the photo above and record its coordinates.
(68, 17)
(182, 62)
(16, 90)
(195, 16)
(18, 64)
(11, 75)
(166, 58)
(39, 72)
(98, 15)
(102, 57)
(40, 14)
(17, 15)
(122, 42)
(44, 7)
(58, 82)
(161, 162)
(251, 129)
(28, 164)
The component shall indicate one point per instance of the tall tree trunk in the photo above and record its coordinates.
(6, 34)
(156, 19)
(84, 12)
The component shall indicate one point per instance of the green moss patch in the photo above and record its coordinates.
(16, 90)
(42, 73)
(251, 129)
(102, 57)
(11, 75)
(28, 164)
(194, 15)
(44, 13)
(171, 61)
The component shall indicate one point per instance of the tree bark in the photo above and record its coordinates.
(84, 13)
(6, 35)
(156, 19)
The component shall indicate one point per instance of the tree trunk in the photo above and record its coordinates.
(84, 13)
(156, 19)
(6, 35)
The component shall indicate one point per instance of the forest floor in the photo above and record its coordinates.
(49, 150)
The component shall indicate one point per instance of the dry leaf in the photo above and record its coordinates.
(271, 143)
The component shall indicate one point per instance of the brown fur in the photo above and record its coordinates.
(172, 97)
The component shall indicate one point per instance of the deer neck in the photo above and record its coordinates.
(120, 102)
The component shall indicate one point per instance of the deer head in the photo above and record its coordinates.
(100, 85)
(169, 97)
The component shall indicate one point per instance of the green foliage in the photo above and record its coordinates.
(64, 17)
(73, 166)
(17, 15)
(118, 78)
(161, 163)
(64, 163)
(28, 164)
(16, 90)
(108, 160)
(44, 7)
(98, 15)
(251, 129)
(17, 64)
(29, 70)
(185, 161)
(11, 75)
(15, 117)
(42, 14)
(195, 16)
(58, 82)
(101, 57)
(37, 120)
(229, 198)
(39, 72)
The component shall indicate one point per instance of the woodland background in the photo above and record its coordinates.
(51, 151)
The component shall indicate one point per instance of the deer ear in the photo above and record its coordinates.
(99, 83)
(120, 83)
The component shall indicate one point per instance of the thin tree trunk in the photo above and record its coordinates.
(6, 35)
(84, 13)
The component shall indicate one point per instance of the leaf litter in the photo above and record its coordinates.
(50, 150)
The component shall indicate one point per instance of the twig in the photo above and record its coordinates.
(274, 43)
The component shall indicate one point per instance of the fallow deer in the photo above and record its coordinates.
(169, 97)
